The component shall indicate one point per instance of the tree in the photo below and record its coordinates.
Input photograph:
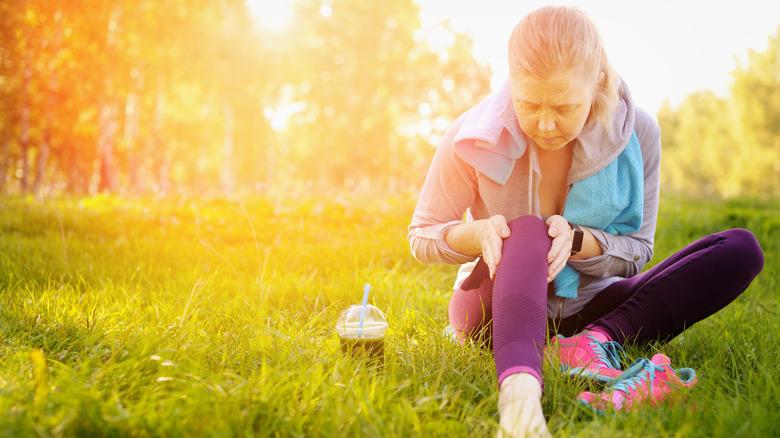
(755, 95)
(728, 146)
(119, 95)
(699, 153)
(364, 72)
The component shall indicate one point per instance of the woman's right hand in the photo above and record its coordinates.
(483, 237)
(494, 231)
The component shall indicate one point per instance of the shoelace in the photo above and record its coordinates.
(640, 372)
(610, 353)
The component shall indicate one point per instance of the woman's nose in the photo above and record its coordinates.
(546, 123)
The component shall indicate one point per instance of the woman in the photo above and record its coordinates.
(558, 172)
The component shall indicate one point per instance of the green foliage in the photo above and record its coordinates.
(183, 317)
(727, 147)
(198, 96)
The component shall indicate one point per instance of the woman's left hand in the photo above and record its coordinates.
(561, 233)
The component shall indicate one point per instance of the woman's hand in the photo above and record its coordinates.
(483, 237)
(560, 250)
(494, 231)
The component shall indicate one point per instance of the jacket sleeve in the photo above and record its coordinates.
(626, 256)
(449, 190)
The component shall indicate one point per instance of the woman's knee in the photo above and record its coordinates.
(524, 258)
(745, 251)
(527, 224)
(530, 230)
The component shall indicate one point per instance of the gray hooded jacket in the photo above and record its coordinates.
(476, 181)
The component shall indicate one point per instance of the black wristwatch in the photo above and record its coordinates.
(576, 241)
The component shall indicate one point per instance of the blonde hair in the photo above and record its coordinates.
(558, 39)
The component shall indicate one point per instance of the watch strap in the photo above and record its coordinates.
(576, 243)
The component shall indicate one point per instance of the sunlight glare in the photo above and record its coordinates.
(272, 14)
(280, 116)
(439, 37)
(326, 10)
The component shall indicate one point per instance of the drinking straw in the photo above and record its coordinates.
(363, 310)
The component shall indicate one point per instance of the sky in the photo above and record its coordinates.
(663, 49)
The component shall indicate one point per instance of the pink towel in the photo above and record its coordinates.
(489, 138)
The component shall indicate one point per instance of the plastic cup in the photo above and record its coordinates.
(366, 342)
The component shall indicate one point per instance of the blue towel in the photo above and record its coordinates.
(611, 200)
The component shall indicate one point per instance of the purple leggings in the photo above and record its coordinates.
(510, 313)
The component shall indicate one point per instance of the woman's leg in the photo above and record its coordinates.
(512, 311)
(517, 305)
(520, 299)
(689, 286)
(519, 327)
(470, 308)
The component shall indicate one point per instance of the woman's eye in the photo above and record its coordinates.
(566, 109)
(530, 107)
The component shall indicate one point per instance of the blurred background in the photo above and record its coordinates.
(216, 97)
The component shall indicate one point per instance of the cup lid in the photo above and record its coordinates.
(374, 322)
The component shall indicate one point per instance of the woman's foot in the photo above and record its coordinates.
(520, 408)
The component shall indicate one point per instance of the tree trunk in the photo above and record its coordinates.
(107, 128)
(49, 107)
(227, 178)
(132, 122)
(75, 182)
(24, 136)
(107, 118)
(4, 158)
(43, 155)
(156, 147)
(24, 145)
(201, 183)
(45, 148)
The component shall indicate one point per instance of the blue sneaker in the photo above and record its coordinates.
(646, 383)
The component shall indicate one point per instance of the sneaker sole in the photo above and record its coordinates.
(586, 374)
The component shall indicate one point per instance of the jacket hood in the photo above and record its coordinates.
(489, 137)
(596, 147)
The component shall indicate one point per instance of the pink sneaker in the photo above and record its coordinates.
(646, 381)
(589, 355)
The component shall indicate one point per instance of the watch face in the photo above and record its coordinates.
(576, 244)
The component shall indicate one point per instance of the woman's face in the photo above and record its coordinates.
(553, 111)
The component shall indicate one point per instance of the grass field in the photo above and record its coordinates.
(215, 317)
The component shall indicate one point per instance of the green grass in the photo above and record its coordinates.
(182, 318)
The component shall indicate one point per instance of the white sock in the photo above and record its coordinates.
(520, 408)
